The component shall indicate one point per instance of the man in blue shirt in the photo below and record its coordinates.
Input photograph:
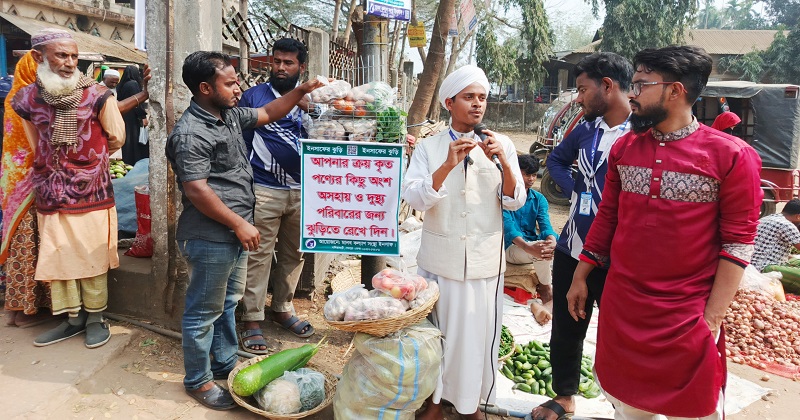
(273, 151)
(529, 236)
(603, 81)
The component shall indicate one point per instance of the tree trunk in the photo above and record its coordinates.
(337, 10)
(349, 25)
(436, 110)
(393, 45)
(433, 66)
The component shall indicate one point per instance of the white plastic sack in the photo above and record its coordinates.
(389, 377)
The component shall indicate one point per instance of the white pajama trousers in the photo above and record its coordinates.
(624, 411)
(470, 315)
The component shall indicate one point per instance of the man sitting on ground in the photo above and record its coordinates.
(529, 236)
(776, 236)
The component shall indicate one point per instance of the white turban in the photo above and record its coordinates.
(110, 72)
(461, 78)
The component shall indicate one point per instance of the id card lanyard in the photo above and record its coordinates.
(585, 207)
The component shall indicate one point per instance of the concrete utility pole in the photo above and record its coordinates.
(244, 48)
(374, 54)
(175, 28)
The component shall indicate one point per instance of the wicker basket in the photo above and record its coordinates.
(346, 279)
(250, 402)
(386, 326)
(502, 359)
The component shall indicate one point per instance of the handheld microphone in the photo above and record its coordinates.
(479, 131)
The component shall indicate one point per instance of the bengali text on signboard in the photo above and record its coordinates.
(351, 197)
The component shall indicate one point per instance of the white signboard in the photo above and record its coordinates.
(351, 197)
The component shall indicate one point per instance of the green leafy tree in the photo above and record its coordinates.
(498, 60)
(572, 33)
(741, 15)
(750, 66)
(780, 63)
(784, 12)
(536, 41)
(632, 25)
(783, 57)
(709, 17)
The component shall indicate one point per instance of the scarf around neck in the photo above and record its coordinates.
(65, 127)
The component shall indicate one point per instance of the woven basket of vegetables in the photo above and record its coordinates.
(250, 403)
(386, 326)
(507, 345)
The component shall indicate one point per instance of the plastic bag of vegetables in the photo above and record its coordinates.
(333, 90)
(322, 129)
(280, 397)
(375, 308)
(338, 302)
(376, 96)
(311, 385)
(399, 284)
(390, 376)
(424, 295)
(360, 129)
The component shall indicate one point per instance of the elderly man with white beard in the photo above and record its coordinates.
(73, 124)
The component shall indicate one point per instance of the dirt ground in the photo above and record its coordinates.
(152, 365)
(144, 381)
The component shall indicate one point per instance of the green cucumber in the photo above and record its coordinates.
(524, 388)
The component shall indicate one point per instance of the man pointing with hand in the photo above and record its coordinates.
(215, 231)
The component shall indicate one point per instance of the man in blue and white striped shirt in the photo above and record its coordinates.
(603, 80)
(273, 152)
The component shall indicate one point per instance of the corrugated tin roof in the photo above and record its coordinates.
(88, 45)
(717, 41)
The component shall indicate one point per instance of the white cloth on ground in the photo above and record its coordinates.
(461, 78)
(471, 339)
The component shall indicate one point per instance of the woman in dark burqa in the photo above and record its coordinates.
(136, 120)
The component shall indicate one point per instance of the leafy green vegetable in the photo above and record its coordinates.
(506, 341)
(391, 125)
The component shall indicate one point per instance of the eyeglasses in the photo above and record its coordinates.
(637, 86)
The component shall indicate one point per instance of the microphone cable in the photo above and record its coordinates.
(493, 355)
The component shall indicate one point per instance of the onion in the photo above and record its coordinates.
(762, 331)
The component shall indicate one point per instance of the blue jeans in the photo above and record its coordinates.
(217, 273)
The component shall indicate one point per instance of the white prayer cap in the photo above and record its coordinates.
(110, 72)
(48, 35)
(461, 78)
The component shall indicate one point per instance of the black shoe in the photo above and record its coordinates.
(97, 334)
(60, 333)
(216, 398)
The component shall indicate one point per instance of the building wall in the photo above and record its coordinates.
(113, 22)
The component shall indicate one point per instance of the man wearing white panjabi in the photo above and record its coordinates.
(453, 179)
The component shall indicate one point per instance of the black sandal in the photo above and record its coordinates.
(247, 342)
(216, 398)
(555, 407)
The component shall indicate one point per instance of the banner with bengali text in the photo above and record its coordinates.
(392, 9)
(351, 197)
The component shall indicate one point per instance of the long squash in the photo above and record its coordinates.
(256, 376)
(790, 279)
